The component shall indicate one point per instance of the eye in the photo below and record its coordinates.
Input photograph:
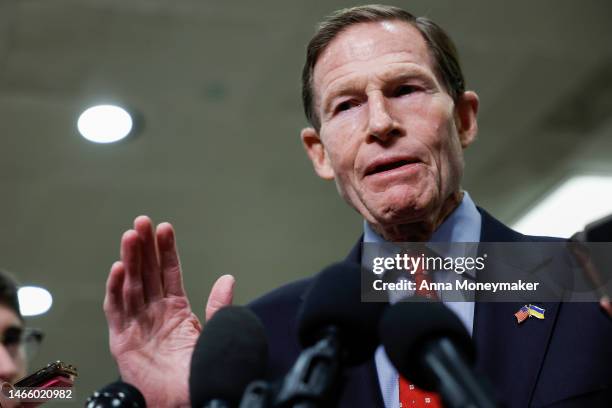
(344, 106)
(12, 336)
(404, 90)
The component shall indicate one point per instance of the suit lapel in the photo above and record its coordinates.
(508, 354)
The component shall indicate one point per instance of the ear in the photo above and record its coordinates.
(466, 110)
(317, 153)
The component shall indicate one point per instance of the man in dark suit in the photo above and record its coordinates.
(390, 118)
(561, 361)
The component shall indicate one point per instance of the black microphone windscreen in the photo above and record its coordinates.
(408, 327)
(118, 394)
(232, 351)
(599, 230)
(334, 300)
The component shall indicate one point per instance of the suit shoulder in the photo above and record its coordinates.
(279, 308)
(494, 230)
(290, 293)
(542, 238)
(278, 311)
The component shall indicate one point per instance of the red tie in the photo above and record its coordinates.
(409, 395)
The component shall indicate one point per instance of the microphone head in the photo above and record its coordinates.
(232, 351)
(408, 327)
(599, 230)
(118, 394)
(334, 302)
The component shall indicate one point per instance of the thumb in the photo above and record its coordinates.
(221, 295)
(606, 305)
(5, 400)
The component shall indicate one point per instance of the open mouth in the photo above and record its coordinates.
(389, 166)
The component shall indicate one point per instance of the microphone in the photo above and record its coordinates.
(336, 329)
(116, 395)
(593, 258)
(333, 308)
(429, 346)
(231, 352)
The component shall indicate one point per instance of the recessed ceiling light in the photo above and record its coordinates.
(105, 123)
(569, 208)
(34, 300)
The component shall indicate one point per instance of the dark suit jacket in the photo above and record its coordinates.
(564, 360)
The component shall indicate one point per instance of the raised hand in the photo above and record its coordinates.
(152, 329)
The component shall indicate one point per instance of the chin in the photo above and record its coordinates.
(402, 206)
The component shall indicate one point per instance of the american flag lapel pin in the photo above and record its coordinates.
(522, 314)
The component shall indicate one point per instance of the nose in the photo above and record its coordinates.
(8, 368)
(381, 125)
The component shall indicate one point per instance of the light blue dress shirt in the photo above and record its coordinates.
(462, 225)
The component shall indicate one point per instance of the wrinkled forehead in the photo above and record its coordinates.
(370, 43)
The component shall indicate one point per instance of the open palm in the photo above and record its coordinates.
(152, 329)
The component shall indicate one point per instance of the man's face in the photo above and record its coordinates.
(390, 135)
(12, 353)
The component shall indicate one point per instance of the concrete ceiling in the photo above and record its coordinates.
(217, 87)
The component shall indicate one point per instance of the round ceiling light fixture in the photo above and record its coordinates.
(34, 300)
(105, 123)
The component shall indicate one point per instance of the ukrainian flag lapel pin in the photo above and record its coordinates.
(536, 312)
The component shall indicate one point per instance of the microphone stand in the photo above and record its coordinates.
(313, 377)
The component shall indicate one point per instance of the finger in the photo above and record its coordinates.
(133, 292)
(606, 305)
(151, 274)
(113, 298)
(221, 295)
(5, 400)
(169, 259)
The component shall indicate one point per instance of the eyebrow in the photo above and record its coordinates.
(343, 89)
